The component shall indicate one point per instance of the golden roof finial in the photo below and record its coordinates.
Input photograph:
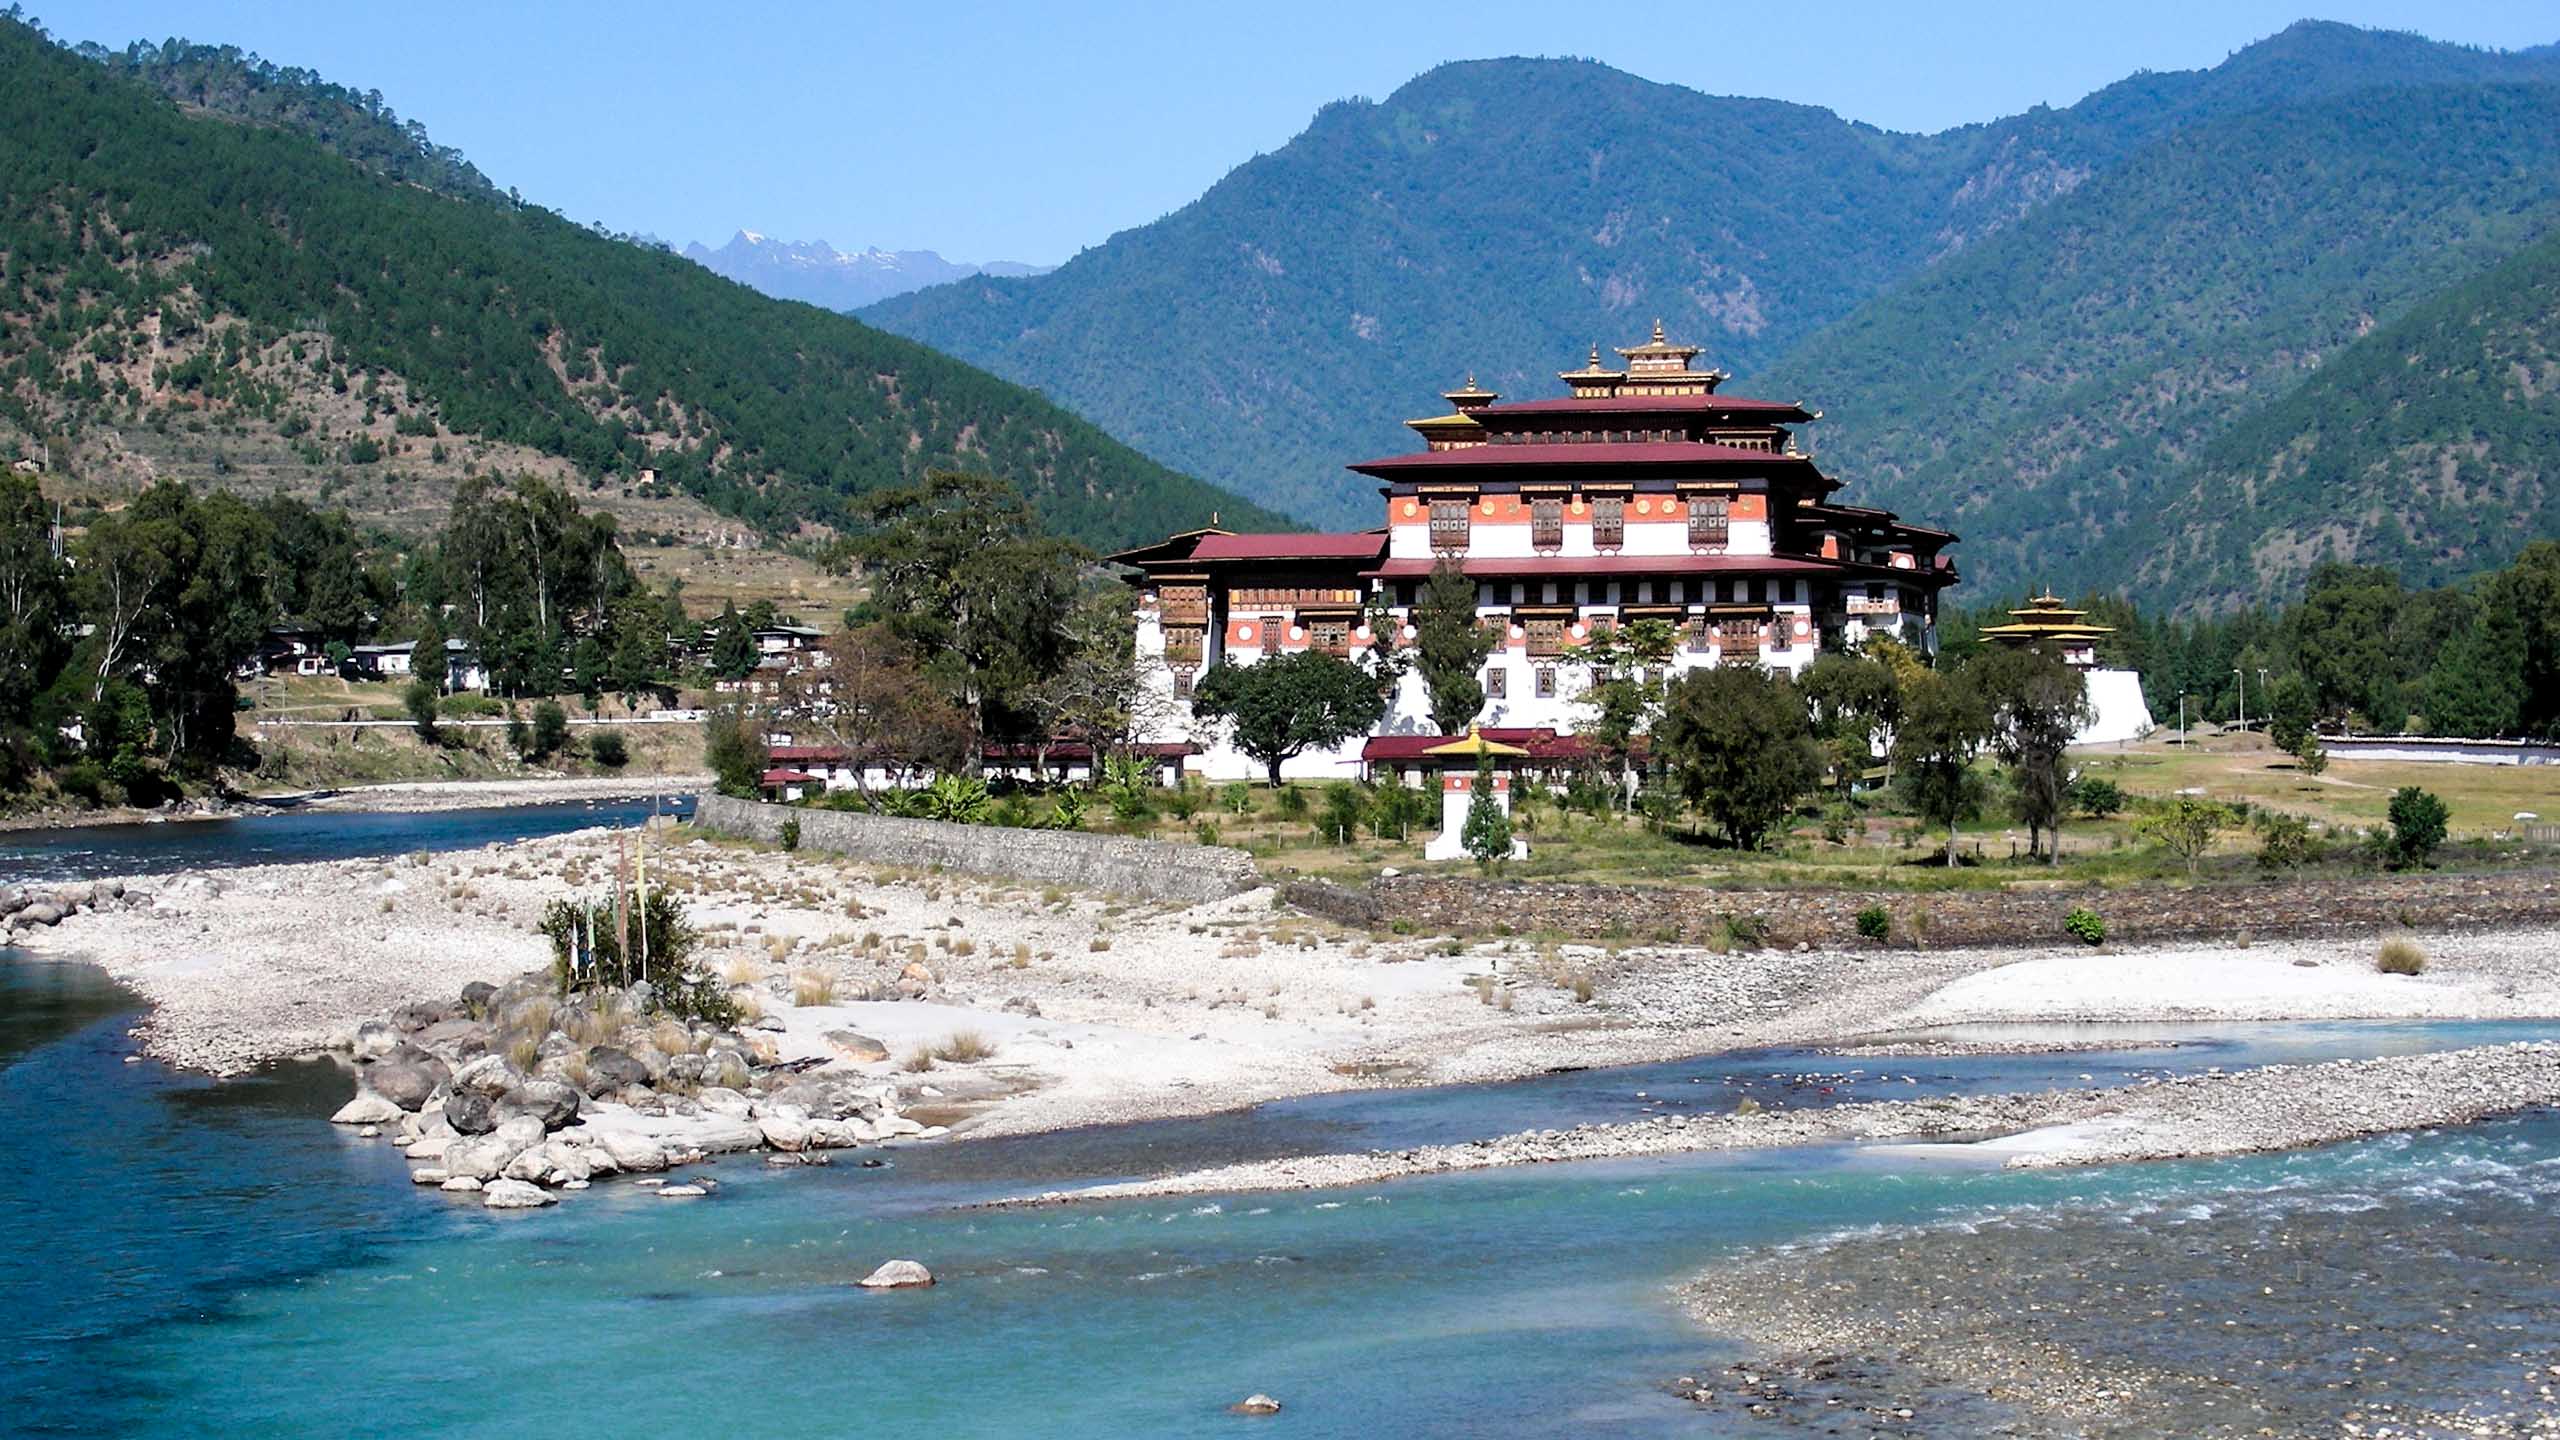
(1595, 354)
(1657, 330)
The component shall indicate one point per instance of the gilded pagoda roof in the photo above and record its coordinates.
(2045, 617)
(1474, 743)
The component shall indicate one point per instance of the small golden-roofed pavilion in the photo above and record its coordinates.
(2045, 619)
(1473, 745)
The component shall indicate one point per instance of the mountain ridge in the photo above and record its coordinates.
(1500, 216)
(815, 272)
(201, 285)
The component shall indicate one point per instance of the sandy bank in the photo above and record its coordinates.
(1103, 1010)
(422, 795)
(2278, 1107)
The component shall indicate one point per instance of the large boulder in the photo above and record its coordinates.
(417, 1015)
(897, 1275)
(515, 1195)
(783, 1132)
(42, 912)
(407, 1076)
(552, 1103)
(375, 1039)
(470, 1112)
(489, 1075)
(610, 1067)
(367, 1109)
(482, 1158)
(857, 1047)
(476, 997)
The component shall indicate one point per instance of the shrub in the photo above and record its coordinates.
(1205, 831)
(2083, 925)
(1396, 811)
(550, 729)
(790, 832)
(1236, 799)
(1293, 802)
(1342, 810)
(2285, 843)
(2400, 957)
(813, 987)
(2310, 756)
(608, 749)
(1749, 932)
(2092, 795)
(420, 701)
(1875, 923)
(468, 706)
(2417, 826)
(2186, 826)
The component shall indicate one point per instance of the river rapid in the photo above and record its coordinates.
(183, 1256)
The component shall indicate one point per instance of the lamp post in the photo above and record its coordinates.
(2244, 698)
(2182, 719)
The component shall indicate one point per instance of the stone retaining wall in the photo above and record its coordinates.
(1437, 904)
(1150, 868)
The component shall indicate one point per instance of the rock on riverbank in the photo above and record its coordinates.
(509, 1088)
(2278, 1107)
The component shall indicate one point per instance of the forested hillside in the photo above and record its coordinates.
(2428, 446)
(1500, 216)
(167, 273)
(2042, 391)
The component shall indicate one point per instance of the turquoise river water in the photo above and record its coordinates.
(184, 1257)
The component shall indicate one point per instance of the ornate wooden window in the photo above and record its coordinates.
(1184, 604)
(1608, 522)
(1782, 630)
(1546, 634)
(1546, 682)
(1450, 524)
(1184, 681)
(1331, 634)
(1739, 637)
(1497, 682)
(1710, 521)
(1183, 644)
(1546, 524)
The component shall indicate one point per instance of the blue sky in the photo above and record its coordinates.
(1027, 131)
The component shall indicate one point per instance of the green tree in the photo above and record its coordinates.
(2417, 826)
(1487, 833)
(639, 657)
(2529, 590)
(2290, 713)
(2341, 635)
(178, 589)
(2037, 704)
(1451, 646)
(550, 730)
(733, 645)
(2477, 685)
(1739, 747)
(427, 654)
(972, 588)
(1629, 667)
(1855, 700)
(733, 745)
(2186, 826)
(1945, 724)
(34, 599)
(1287, 704)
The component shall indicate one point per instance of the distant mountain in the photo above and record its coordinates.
(2042, 391)
(2431, 445)
(1938, 295)
(820, 274)
(192, 289)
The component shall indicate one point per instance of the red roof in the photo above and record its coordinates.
(1498, 567)
(1059, 751)
(1645, 405)
(1357, 545)
(788, 777)
(1646, 453)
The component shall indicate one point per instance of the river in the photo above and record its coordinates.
(181, 1256)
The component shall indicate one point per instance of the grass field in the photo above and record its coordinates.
(2484, 799)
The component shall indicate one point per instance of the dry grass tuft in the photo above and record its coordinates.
(961, 1047)
(2400, 956)
(813, 987)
